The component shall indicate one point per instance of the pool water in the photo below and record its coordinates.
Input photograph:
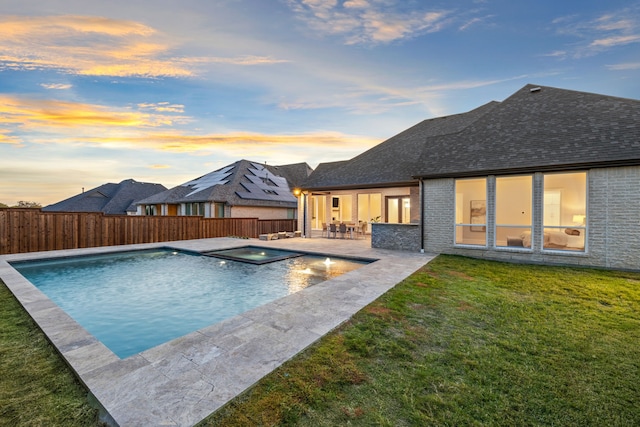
(134, 301)
(254, 254)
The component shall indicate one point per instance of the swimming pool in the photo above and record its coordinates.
(133, 301)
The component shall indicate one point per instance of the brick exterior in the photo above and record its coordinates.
(613, 221)
(257, 212)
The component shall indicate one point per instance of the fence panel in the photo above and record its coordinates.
(30, 230)
(276, 225)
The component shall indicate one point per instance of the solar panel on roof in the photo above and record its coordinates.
(218, 177)
(264, 185)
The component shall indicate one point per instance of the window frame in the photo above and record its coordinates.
(470, 224)
(566, 250)
(532, 216)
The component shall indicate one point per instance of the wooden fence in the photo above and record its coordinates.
(30, 230)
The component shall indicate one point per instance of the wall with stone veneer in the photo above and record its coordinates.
(403, 237)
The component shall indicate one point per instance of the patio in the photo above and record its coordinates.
(181, 382)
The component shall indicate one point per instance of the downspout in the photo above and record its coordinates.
(421, 216)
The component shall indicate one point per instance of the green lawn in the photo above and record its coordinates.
(460, 342)
(36, 387)
(468, 342)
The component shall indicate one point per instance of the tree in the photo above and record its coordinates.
(25, 204)
(2, 205)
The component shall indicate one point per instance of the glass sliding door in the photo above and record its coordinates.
(369, 209)
(318, 209)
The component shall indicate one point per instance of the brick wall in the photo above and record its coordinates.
(258, 212)
(613, 220)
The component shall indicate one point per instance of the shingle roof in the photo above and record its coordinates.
(243, 183)
(536, 128)
(395, 160)
(540, 128)
(295, 173)
(110, 198)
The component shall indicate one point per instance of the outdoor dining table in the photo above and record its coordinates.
(350, 228)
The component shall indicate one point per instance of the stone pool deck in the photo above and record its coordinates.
(181, 382)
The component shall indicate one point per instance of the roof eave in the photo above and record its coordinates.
(412, 183)
(531, 169)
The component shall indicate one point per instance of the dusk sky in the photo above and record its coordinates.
(164, 91)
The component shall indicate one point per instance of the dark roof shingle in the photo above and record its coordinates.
(243, 183)
(537, 128)
(540, 128)
(110, 198)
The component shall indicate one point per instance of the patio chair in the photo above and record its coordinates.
(325, 229)
(332, 229)
(363, 229)
(343, 229)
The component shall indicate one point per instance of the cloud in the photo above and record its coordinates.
(150, 126)
(6, 138)
(86, 45)
(474, 21)
(369, 22)
(235, 144)
(56, 86)
(160, 167)
(602, 33)
(163, 107)
(26, 113)
(616, 41)
(246, 60)
(625, 66)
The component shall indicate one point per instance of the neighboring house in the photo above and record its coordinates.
(243, 189)
(110, 199)
(547, 175)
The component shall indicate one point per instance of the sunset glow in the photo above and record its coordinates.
(91, 93)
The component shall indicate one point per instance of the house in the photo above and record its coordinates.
(244, 189)
(110, 198)
(548, 175)
(379, 184)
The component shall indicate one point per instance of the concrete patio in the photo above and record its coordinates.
(181, 382)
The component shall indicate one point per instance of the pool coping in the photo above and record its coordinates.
(181, 382)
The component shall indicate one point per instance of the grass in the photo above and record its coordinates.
(468, 342)
(460, 342)
(36, 387)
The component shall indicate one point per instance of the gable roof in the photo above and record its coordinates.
(540, 129)
(394, 161)
(295, 173)
(535, 129)
(110, 198)
(243, 183)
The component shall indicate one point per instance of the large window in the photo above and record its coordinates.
(398, 210)
(471, 211)
(341, 208)
(514, 211)
(194, 209)
(369, 207)
(218, 209)
(564, 211)
(151, 210)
